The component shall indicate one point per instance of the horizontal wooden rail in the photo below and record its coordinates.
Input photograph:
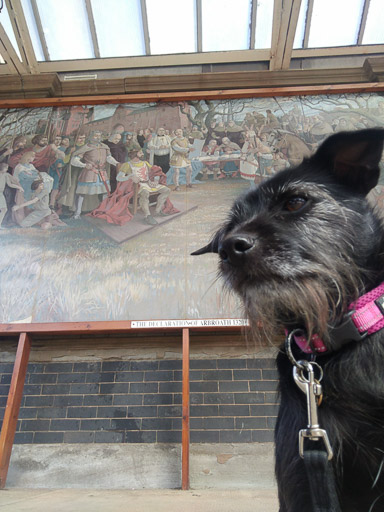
(260, 92)
(114, 327)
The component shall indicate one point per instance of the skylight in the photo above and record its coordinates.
(119, 28)
(264, 18)
(96, 29)
(66, 29)
(374, 29)
(335, 23)
(225, 25)
(172, 26)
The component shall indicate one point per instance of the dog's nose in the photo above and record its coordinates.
(234, 249)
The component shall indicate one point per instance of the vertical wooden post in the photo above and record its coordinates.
(12, 408)
(185, 422)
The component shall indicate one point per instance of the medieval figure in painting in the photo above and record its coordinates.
(228, 144)
(140, 175)
(138, 170)
(70, 176)
(6, 179)
(18, 148)
(211, 160)
(39, 203)
(26, 173)
(195, 133)
(210, 133)
(271, 122)
(10, 154)
(45, 154)
(160, 149)
(55, 171)
(119, 153)
(235, 133)
(179, 159)
(93, 180)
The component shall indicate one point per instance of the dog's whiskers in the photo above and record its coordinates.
(374, 503)
(378, 473)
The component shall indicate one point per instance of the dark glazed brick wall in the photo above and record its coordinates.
(232, 401)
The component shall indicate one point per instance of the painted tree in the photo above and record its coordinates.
(203, 112)
(20, 121)
(357, 105)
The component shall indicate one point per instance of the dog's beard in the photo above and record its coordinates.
(313, 303)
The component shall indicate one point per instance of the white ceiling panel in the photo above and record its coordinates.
(225, 25)
(172, 26)
(264, 19)
(374, 28)
(66, 29)
(119, 27)
(335, 23)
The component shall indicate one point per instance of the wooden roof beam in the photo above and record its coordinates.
(23, 39)
(285, 17)
(144, 17)
(40, 29)
(199, 26)
(15, 66)
(291, 32)
(363, 22)
(308, 21)
(92, 27)
(252, 31)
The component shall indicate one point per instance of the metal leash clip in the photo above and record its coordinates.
(312, 389)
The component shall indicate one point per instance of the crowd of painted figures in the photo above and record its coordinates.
(44, 180)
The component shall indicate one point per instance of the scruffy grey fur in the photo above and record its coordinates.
(298, 250)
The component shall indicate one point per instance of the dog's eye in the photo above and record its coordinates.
(294, 204)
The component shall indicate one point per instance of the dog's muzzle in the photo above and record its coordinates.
(235, 249)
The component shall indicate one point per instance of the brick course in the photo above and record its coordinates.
(232, 401)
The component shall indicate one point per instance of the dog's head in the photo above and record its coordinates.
(301, 245)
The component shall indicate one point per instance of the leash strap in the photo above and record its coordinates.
(317, 462)
(321, 481)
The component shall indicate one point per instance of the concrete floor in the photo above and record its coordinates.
(76, 500)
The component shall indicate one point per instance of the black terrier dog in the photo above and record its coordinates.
(305, 250)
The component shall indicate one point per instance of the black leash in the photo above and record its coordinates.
(317, 462)
(321, 481)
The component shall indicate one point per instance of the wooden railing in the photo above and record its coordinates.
(26, 333)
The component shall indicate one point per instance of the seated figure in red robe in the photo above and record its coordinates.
(114, 209)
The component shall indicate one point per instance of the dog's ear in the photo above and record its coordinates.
(213, 246)
(354, 157)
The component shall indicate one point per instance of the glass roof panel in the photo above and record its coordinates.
(66, 29)
(225, 25)
(300, 29)
(119, 27)
(374, 28)
(6, 22)
(341, 19)
(172, 26)
(264, 18)
(32, 29)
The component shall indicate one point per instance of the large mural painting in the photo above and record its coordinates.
(101, 206)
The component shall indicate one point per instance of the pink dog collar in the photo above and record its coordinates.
(366, 314)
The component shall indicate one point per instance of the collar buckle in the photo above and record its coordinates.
(346, 331)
